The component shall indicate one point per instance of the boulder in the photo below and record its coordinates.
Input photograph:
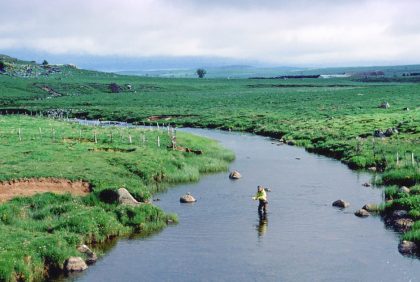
(366, 184)
(384, 105)
(75, 264)
(403, 224)
(370, 207)
(188, 198)
(407, 247)
(235, 175)
(404, 189)
(390, 131)
(125, 198)
(362, 213)
(399, 214)
(378, 133)
(341, 204)
(90, 255)
(372, 168)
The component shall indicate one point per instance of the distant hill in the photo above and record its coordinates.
(185, 67)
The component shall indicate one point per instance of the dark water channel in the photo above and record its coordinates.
(303, 238)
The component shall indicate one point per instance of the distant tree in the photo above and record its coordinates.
(45, 63)
(2, 66)
(201, 73)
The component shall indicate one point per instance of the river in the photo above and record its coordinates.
(303, 238)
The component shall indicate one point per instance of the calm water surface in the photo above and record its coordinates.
(303, 238)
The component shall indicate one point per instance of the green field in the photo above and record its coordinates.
(335, 117)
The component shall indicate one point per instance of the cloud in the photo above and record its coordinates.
(299, 32)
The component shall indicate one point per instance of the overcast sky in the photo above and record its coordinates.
(298, 32)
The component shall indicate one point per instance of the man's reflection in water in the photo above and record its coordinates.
(262, 224)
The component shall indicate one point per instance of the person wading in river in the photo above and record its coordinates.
(261, 196)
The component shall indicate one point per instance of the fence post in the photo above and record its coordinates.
(20, 136)
(158, 141)
(129, 138)
(412, 159)
(398, 159)
(96, 139)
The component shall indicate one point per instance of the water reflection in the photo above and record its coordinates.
(262, 224)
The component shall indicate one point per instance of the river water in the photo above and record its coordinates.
(303, 238)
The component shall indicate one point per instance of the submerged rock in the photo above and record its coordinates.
(362, 213)
(188, 198)
(125, 198)
(75, 264)
(366, 184)
(407, 247)
(341, 204)
(235, 175)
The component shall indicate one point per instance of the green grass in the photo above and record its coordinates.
(49, 226)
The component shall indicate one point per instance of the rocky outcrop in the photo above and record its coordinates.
(187, 198)
(235, 175)
(362, 213)
(407, 247)
(90, 255)
(390, 131)
(340, 204)
(125, 198)
(75, 264)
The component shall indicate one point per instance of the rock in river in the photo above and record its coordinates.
(235, 175)
(362, 213)
(341, 204)
(75, 264)
(188, 198)
(407, 247)
(371, 207)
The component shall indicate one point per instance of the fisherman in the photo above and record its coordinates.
(261, 196)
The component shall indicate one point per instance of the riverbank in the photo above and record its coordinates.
(38, 154)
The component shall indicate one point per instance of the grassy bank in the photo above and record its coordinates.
(38, 233)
